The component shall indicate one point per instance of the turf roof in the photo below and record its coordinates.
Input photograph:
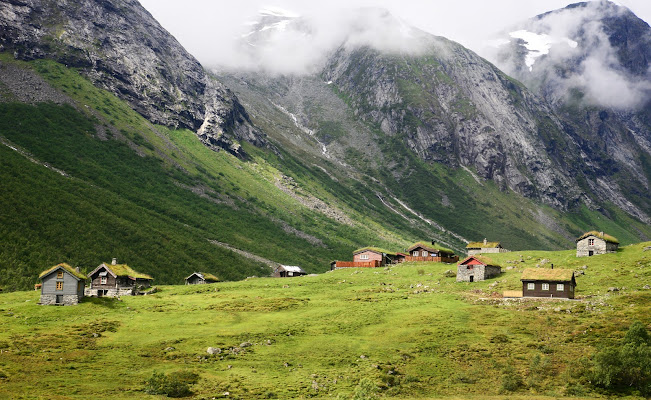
(205, 276)
(547, 274)
(430, 247)
(375, 249)
(125, 270)
(600, 235)
(482, 245)
(66, 267)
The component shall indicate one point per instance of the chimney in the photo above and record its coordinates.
(115, 261)
(433, 242)
(601, 234)
(484, 240)
(77, 269)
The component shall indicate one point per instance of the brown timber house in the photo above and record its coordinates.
(424, 251)
(115, 280)
(553, 283)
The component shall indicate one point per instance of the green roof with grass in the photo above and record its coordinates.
(547, 274)
(482, 245)
(376, 250)
(600, 235)
(430, 247)
(205, 276)
(126, 271)
(66, 267)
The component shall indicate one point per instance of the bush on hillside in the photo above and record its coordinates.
(176, 384)
(626, 365)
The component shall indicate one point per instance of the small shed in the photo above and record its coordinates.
(115, 280)
(62, 285)
(286, 271)
(593, 243)
(544, 282)
(477, 268)
(200, 278)
(474, 248)
(426, 251)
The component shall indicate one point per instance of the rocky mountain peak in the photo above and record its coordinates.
(119, 46)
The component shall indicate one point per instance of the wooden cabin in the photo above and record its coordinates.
(425, 251)
(115, 279)
(201, 278)
(62, 285)
(593, 243)
(544, 282)
(474, 248)
(288, 271)
(477, 268)
(367, 257)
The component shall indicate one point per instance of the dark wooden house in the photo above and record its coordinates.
(62, 285)
(200, 278)
(593, 243)
(477, 268)
(425, 251)
(287, 271)
(544, 282)
(116, 280)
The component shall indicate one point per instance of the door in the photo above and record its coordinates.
(590, 253)
(59, 299)
(472, 278)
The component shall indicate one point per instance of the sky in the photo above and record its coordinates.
(208, 28)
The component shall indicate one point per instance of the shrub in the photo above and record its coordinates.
(365, 390)
(511, 380)
(176, 384)
(626, 365)
(421, 271)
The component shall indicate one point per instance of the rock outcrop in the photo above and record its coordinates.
(119, 46)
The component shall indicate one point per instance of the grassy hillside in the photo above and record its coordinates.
(405, 332)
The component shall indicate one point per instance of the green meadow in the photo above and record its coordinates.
(403, 332)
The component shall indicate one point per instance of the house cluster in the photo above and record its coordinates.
(65, 285)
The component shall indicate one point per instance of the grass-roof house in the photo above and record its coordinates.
(115, 279)
(426, 251)
(544, 282)
(477, 268)
(368, 257)
(288, 271)
(62, 285)
(200, 278)
(484, 247)
(593, 243)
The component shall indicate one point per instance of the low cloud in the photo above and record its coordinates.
(592, 67)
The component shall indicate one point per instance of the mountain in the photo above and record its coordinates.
(381, 135)
(120, 47)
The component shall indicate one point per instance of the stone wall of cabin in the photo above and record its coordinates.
(486, 250)
(111, 292)
(478, 272)
(66, 299)
(600, 246)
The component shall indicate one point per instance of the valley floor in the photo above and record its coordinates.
(403, 332)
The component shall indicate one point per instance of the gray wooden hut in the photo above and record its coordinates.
(115, 280)
(62, 285)
(200, 278)
(286, 271)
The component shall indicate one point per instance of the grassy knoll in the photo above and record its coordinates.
(405, 332)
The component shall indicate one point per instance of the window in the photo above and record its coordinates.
(560, 287)
(102, 280)
(424, 253)
(363, 257)
(59, 274)
(415, 253)
(531, 286)
(590, 242)
(571, 288)
(59, 285)
(545, 286)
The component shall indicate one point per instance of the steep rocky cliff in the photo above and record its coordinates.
(119, 46)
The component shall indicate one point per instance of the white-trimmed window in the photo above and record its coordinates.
(102, 280)
(424, 253)
(545, 286)
(363, 256)
(415, 253)
(531, 286)
(590, 242)
(560, 287)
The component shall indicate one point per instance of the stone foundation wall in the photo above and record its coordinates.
(66, 300)
(114, 292)
(478, 272)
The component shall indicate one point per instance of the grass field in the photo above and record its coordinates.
(404, 332)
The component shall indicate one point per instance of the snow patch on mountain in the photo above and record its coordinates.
(538, 44)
